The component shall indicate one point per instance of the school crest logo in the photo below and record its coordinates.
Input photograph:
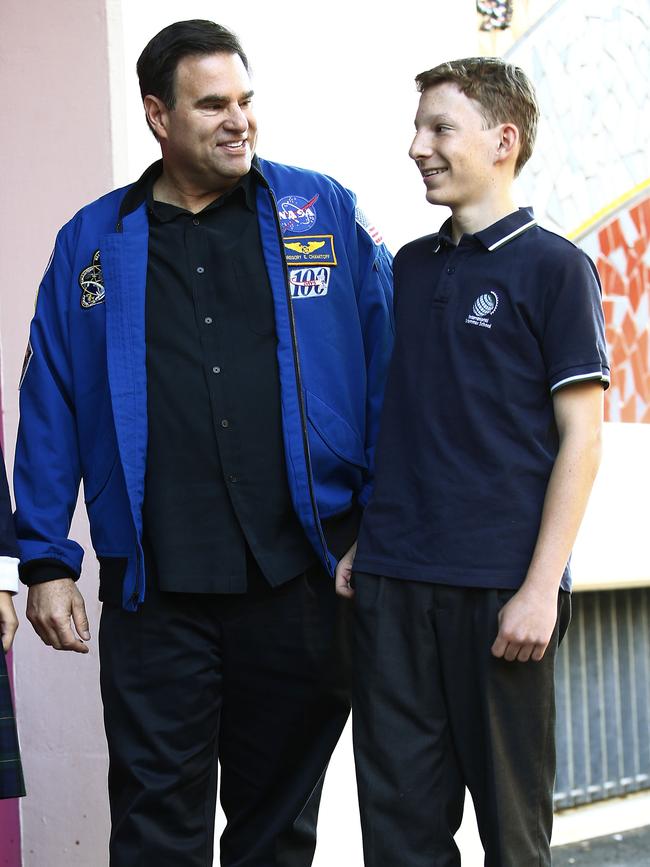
(91, 281)
(483, 309)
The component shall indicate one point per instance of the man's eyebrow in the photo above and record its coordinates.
(215, 99)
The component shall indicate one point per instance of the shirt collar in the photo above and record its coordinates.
(496, 235)
(244, 190)
(140, 190)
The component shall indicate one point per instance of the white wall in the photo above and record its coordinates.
(334, 89)
(55, 154)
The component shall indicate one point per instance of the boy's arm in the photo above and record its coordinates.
(8, 620)
(527, 621)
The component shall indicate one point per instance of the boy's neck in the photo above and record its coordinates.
(469, 219)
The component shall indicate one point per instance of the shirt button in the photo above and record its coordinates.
(232, 478)
(208, 320)
(216, 369)
(196, 221)
(224, 422)
(450, 270)
(200, 269)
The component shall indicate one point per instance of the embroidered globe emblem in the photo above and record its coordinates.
(485, 304)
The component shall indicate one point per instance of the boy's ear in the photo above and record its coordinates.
(508, 142)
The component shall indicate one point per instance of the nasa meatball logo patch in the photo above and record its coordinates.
(483, 309)
(91, 281)
(296, 213)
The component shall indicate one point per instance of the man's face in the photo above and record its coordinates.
(453, 151)
(209, 137)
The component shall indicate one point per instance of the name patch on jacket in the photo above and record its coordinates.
(91, 281)
(310, 250)
(309, 282)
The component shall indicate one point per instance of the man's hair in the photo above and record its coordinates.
(502, 90)
(158, 62)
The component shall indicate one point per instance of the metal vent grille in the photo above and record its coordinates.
(603, 698)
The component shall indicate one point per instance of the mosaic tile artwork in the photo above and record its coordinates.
(494, 14)
(589, 63)
(589, 177)
(621, 249)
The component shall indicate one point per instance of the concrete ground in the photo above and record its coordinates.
(339, 834)
(624, 849)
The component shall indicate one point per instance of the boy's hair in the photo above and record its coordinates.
(158, 62)
(502, 90)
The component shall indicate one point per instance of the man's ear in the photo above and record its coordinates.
(508, 142)
(157, 113)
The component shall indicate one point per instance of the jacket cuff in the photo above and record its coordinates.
(40, 571)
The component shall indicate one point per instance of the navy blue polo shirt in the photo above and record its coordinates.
(486, 332)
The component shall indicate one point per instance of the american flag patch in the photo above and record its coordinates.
(365, 223)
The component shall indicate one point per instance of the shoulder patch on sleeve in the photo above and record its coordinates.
(29, 352)
(369, 227)
(91, 281)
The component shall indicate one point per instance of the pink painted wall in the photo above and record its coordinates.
(55, 155)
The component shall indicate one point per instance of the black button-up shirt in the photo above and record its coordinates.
(216, 476)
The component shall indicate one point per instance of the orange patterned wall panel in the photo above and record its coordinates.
(623, 261)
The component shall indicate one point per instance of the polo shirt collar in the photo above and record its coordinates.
(507, 229)
(496, 235)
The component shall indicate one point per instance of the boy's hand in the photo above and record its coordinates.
(526, 624)
(49, 608)
(344, 573)
(8, 620)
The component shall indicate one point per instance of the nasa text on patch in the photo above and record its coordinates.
(310, 250)
(296, 213)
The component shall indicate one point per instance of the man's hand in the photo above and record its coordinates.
(344, 573)
(50, 606)
(8, 620)
(526, 624)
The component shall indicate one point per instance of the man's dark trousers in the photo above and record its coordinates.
(434, 711)
(257, 681)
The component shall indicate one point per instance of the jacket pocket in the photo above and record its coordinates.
(335, 431)
(95, 482)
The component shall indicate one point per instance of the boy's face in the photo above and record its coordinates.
(452, 149)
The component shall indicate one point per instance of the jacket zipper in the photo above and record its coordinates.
(296, 363)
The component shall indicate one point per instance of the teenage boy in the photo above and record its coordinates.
(489, 445)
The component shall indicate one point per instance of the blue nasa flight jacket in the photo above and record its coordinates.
(83, 397)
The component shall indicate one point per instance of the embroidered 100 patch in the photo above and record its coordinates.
(309, 282)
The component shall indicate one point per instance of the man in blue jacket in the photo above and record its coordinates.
(208, 354)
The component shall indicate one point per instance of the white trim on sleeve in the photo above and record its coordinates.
(9, 574)
(581, 377)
